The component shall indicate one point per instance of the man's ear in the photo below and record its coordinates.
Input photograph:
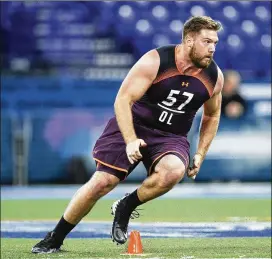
(189, 41)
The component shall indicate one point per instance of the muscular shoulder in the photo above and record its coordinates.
(158, 60)
(149, 64)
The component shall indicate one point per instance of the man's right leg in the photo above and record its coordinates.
(81, 204)
(169, 170)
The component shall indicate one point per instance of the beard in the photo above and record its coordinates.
(199, 61)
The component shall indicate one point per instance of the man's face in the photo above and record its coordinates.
(203, 48)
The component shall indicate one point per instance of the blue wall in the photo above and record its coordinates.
(43, 93)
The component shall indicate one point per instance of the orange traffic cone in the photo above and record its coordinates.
(135, 244)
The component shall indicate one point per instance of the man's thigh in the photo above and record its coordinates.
(160, 144)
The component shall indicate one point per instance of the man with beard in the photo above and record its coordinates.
(155, 108)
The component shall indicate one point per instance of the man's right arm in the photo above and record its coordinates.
(134, 86)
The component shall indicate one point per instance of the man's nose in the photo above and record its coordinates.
(212, 49)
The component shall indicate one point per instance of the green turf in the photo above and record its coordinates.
(188, 210)
(157, 248)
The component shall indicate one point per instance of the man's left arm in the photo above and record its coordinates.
(209, 126)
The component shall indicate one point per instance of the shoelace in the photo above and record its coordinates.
(135, 214)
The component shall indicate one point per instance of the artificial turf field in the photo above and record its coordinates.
(162, 210)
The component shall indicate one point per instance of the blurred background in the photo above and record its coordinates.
(63, 62)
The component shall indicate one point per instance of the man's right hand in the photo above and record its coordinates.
(133, 150)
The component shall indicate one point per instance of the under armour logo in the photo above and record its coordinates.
(185, 84)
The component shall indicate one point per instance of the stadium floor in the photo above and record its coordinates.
(190, 222)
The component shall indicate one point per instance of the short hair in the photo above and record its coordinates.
(196, 23)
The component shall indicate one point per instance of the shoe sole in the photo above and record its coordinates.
(50, 251)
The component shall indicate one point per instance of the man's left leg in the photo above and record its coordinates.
(166, 174)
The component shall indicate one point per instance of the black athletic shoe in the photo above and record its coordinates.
(121, 220)
(48, 245)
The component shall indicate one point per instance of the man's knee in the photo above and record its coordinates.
(101, 183)
(170, 171)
